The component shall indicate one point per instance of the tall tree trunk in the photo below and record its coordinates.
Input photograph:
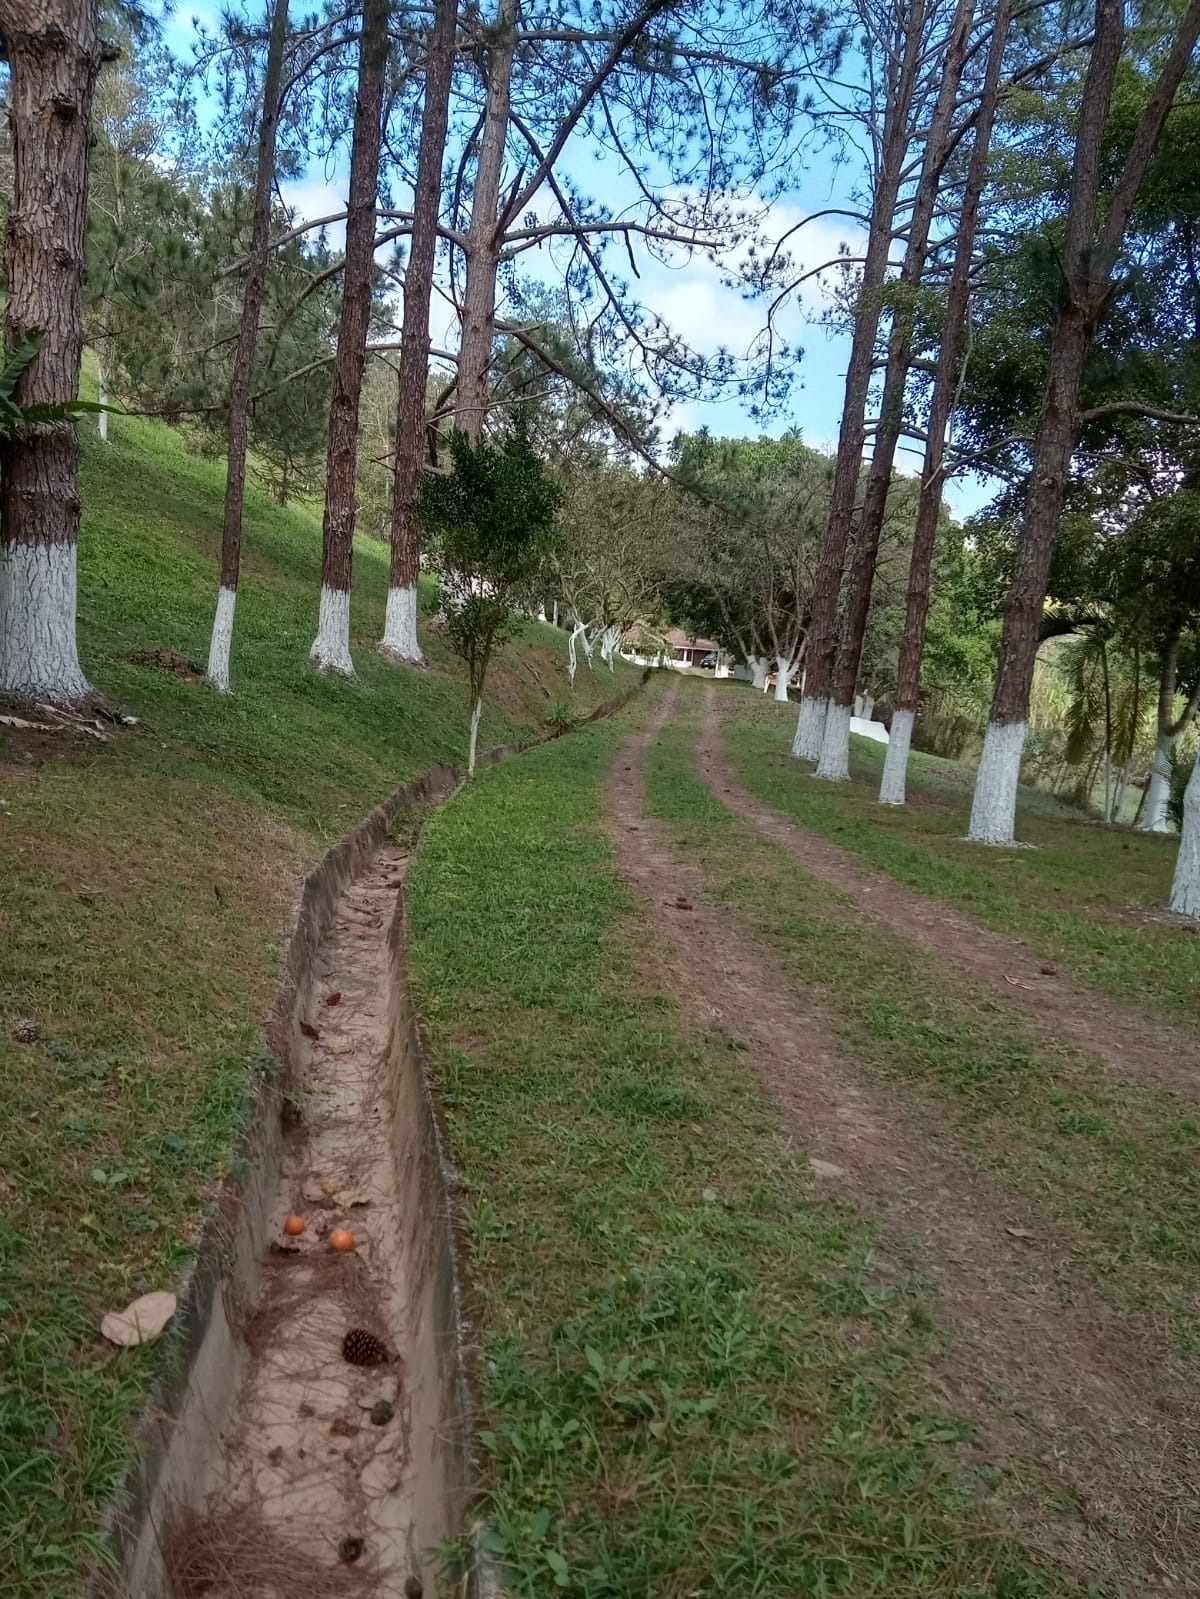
(400, 625)
(1088, 259)
(947, 376)
(483, 244)
(1185, 890)
(243, 361)
(54, 55)
(822, 637)
(331, 649)
(835, 749)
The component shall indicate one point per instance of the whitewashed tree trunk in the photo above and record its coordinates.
(400, 626)
(892, 785)
(994, 807)
(331, 647)
(588, 642)
(102, 397)
(554, 614)
(810, 729)
(784, 672)
(758, 670)
(834, 764)
(1185, 890)
(222, 637)
(541, 613)
(609, 639)
(38, 655)
(473, 743)
(1156, 819)
(577, 632)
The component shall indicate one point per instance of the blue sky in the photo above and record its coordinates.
(691, 295)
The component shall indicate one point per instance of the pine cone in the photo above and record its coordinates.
(362, 1348)
(26, 1031)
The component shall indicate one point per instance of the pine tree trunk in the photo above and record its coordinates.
(479, 292)
(53, 55)
(834, 762)
(400, 627)
(822, 635)
(331, 649)
(243, 361)
(1089, 254)
(947, 376)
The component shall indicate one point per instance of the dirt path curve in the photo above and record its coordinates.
(318, 1460)
(1129, 1044)
(1121, 1427)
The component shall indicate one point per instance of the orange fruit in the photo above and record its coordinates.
(294, 1226)
(341, 1238)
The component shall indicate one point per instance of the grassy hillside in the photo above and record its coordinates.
(1089, 895)
(146, 891)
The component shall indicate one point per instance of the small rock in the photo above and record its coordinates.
(710, 1196)
(380, 1394)
(825, 1168)
(382, 1412)
(335, 998)
(276, 1456)
(1049, 971)
(350, 1549)
(306, 1410)
(26, 1031)
(414, 1588)
(380, 1475)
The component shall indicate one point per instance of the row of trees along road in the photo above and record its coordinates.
(1059, 337)
(1024, 302)
(209, 303)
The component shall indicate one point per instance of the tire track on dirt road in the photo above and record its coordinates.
(1117, 1428)
(1128, 1044)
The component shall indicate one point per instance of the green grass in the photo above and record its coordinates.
(1106, 1170)
(1080, 898)
(700, 1374)
(147, 888)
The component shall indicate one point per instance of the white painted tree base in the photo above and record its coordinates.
(834, 765)
(1185, 890)
(400, 639)
(473, 741)
(893, 784)
(222, 637)
(1156, 819)
(994, 807)
(39, 659)
(331, 647)
(758, 671)
(810, 729)
(784, 672)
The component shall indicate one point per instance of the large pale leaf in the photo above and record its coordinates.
(140, 1321)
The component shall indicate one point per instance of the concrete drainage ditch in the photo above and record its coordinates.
(272, 1463)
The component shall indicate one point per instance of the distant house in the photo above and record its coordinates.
(687, 651)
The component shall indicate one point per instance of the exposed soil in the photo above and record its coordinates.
(1116, 1425)
(317, 1457)
(1131, 1045)
(168, 661)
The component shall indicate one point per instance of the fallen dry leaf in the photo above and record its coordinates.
(139, 1322)
(335, 998)
(309, 1030)
(1018, 1232)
